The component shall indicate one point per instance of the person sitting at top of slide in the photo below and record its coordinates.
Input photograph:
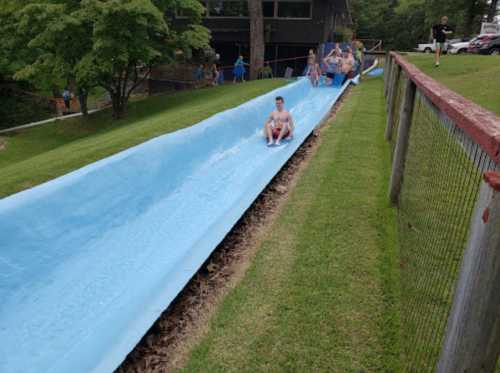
(280, 124)
(347, 64)
(311, 58)
(314, 75)
(332, 67)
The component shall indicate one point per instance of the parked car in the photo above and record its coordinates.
(491, 46)
(430, 47)
(459, 46)
(457, 40)
(478, 42)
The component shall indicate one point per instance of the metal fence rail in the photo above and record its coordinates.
(443, 145)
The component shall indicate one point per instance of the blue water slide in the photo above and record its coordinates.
(88, 261)
(376, 72)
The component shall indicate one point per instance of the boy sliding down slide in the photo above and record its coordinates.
(279, 125)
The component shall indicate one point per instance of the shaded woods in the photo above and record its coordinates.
(404, 23)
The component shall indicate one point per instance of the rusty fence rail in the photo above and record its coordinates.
(445, 183)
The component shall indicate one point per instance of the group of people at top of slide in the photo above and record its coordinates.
(280, 126)
(336, 62)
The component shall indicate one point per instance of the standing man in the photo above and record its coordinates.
(440, 32)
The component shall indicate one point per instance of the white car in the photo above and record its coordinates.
(460, 47)
(430, 47)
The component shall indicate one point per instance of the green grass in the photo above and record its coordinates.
(322, 293)
(474, 77)
(437, 200)
(43, 153)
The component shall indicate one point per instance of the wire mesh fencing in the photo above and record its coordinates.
(442, 174)
(395, 103)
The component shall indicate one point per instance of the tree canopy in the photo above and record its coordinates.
(404, 23)
(108, 43)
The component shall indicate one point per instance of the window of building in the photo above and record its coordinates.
(228, 8)
(294, 9)
(268, 9)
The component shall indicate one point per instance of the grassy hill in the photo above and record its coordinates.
(38, 154)
(474, 77)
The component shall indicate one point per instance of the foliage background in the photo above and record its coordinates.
(401, 24)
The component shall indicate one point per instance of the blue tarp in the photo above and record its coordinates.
(88, 261)
(376, 72)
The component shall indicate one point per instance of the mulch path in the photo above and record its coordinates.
(167, 344)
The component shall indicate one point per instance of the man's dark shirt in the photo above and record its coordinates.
(438, 32)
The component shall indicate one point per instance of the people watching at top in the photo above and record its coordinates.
(338, 62)
(215, 75)
(314, 74)
(348, 63)
(332, 63)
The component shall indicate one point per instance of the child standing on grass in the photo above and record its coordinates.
(440, 32)
(239, 70)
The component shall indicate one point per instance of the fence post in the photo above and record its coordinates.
(399, 158)
(390, 77)
(393, 84)
(472, 340)
(387, 71)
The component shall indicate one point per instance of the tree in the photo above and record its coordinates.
(474, 12)
(62, 41)
(404, 23)
(14, 53)
(257, 45)
(108, 43)
(465, 15)
(129, 38)
(375, 20)
(492, 10)
(191, 36)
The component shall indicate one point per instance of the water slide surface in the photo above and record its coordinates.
(376, 72)
(88, 261)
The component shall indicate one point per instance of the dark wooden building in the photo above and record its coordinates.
(291, 27)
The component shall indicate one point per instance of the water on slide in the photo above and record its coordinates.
(88, 261)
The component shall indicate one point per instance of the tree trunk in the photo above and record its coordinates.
(82, 99)
(119, 103)
(257, 46)
(492, 11)
(473, 12)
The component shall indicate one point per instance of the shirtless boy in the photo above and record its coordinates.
(280, 124)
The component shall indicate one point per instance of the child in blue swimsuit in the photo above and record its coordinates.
(239, 70)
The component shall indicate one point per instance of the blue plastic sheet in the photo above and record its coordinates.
(376, 72)
(88, 261)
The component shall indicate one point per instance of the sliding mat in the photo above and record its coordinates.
(88, 261)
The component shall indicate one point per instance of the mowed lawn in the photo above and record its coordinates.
(38, 154)
(473, 76)
(322, 293)
(434, 215)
